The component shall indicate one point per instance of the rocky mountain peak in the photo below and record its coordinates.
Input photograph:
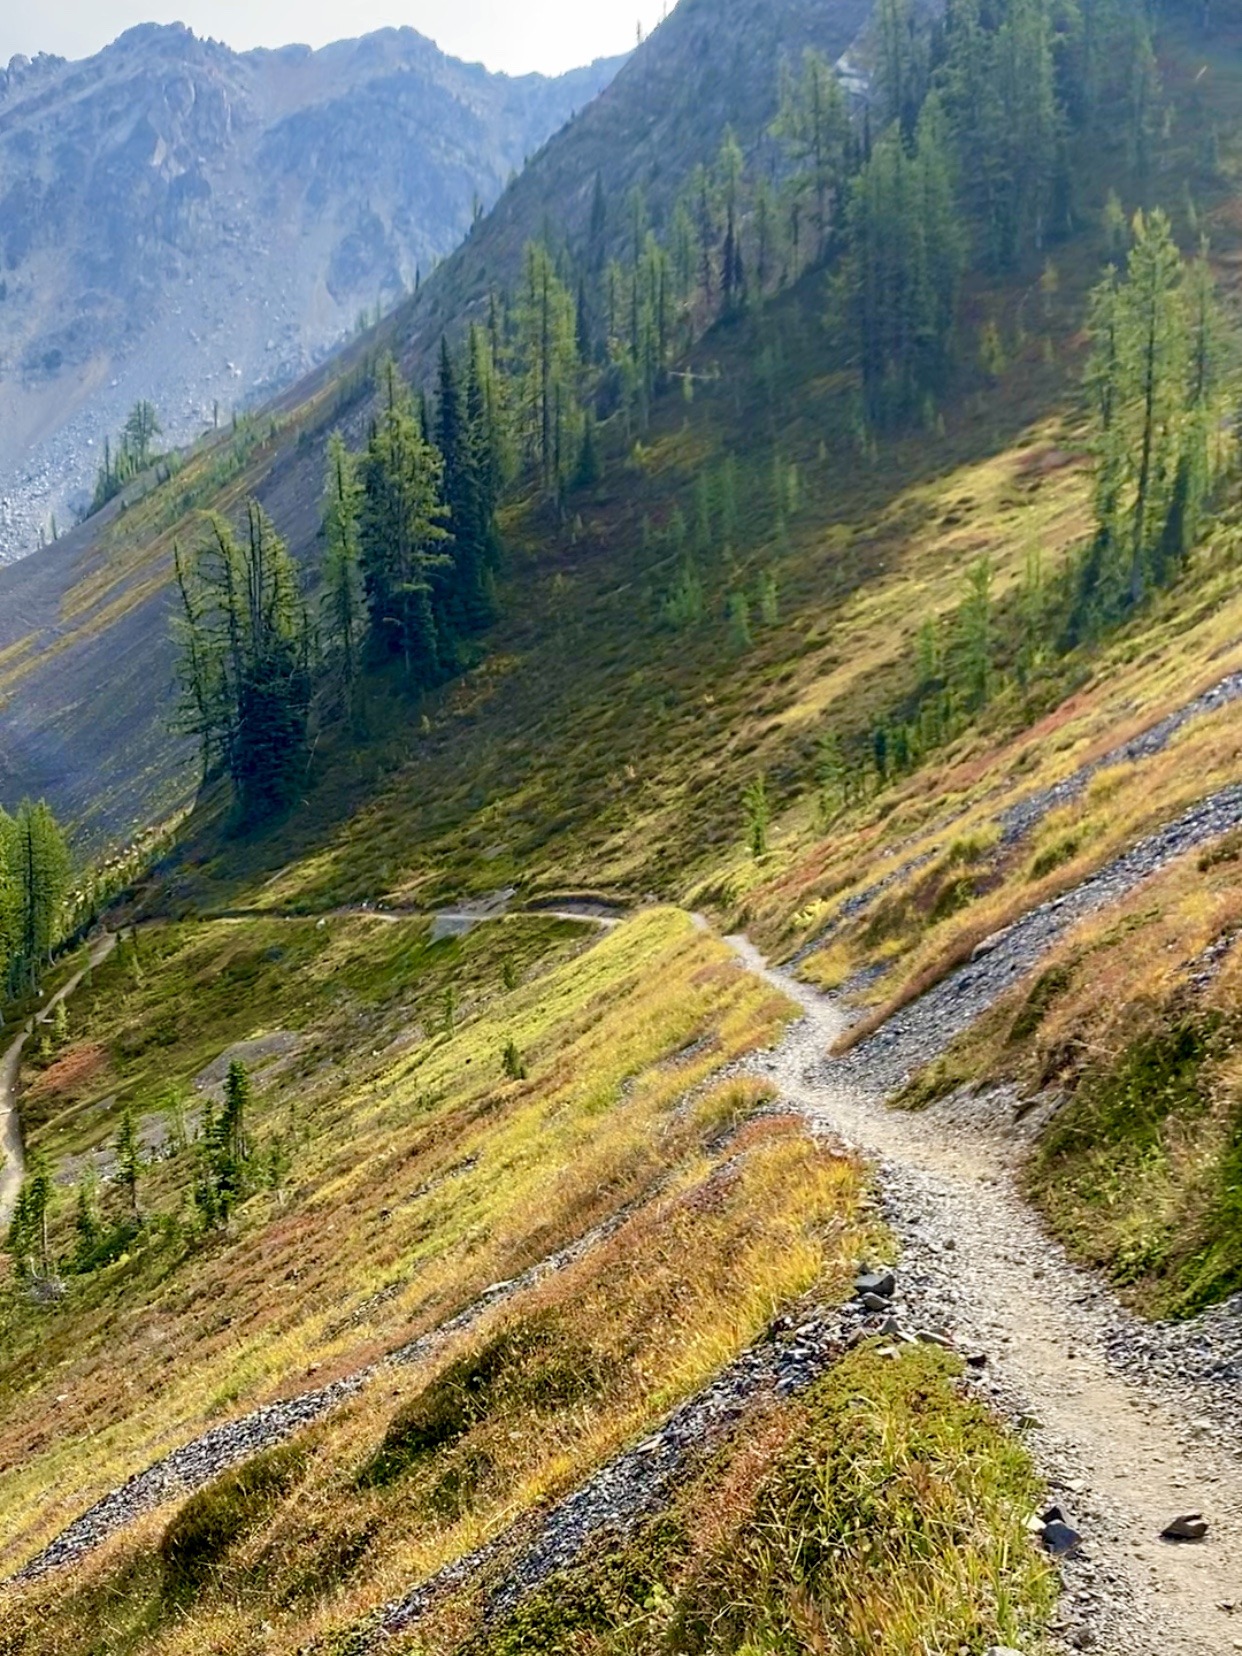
(194, 226)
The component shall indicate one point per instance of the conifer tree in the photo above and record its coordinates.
(403, 536)
(129, 1161)
(34, 887)
(246, 659)
(549, 370)
(460, 435)
(343, 604)
(814, 127)
(904, 270)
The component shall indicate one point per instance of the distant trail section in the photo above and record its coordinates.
(919, 1032)
(454, 921)
(13, 1170)
(1020, 819)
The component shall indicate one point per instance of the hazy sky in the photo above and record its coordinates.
(515, 35)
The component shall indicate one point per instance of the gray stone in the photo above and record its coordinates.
(883, 1283)
(1060, 1540)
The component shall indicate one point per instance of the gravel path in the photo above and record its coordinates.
(1133, 1425)
(922, 1030)
(13, 1167)
(1019, 820)
(1128, 1442)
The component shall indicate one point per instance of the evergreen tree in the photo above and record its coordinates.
(904, 270)
(758, 817)
(814, 127)
(1153, 343)
(343, 603)
(463, 585)
(403, 538)
(28, 1241)
(34, 887)
(547, 351)
(902, 69)
(1153, 391)
(129, 1161)
(141, 430)
(245, 660)
(231, 1148)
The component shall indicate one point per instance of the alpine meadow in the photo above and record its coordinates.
(620, 908)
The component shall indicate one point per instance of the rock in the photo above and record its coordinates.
(928, 1336)
(1060, 1540)
(874, 1302)
(1191, 1527)
(1001, 1650)
(977, 1360)
(990, 944)
(892, 1330)
(883, 1283)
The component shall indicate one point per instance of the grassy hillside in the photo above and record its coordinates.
(604, 748)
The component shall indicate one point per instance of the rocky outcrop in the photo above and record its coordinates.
(194, 226)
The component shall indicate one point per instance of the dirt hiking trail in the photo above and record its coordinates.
(1123, 1460)
(13, 1168)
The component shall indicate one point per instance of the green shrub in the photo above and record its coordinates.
(197, 1540)
(1226, 850)
(530, 1366)
(1054, 856)
(1047, 989)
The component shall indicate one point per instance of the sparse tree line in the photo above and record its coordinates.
(411, 554)
(964, 152)
(1155, 392)
(54, 1234)
(133, 453)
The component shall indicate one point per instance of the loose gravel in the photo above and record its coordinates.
(1019, 820)
(1132, 1424)
(195, 1464)
(918, 1033)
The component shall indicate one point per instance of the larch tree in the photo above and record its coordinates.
(343, 602)
(813, 125)
(403, 534)
(246, 647)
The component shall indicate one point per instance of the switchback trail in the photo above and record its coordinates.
(976, 1264)
(13, 1169)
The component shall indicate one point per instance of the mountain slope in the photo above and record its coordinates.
(186, 224)
(529, 1333)
(93, 609)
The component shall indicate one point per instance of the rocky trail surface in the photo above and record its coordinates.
(1128, 1443)
(917, 1033)
(1020, 819)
